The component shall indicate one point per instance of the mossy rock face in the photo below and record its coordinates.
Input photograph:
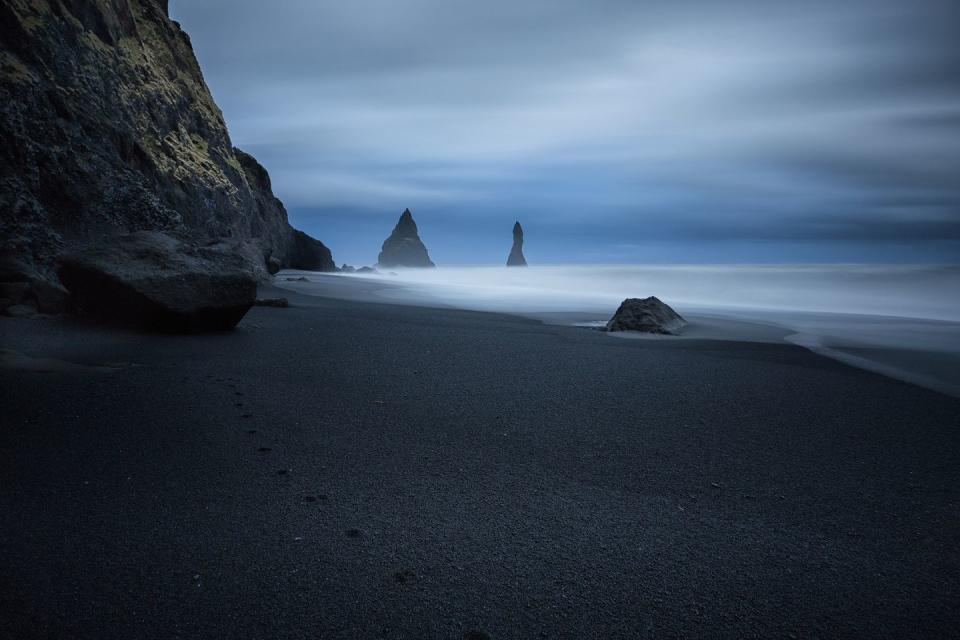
(107, 125)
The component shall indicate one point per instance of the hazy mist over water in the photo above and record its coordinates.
(899, 320)
(906, 291)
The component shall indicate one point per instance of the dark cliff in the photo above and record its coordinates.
(106, 125)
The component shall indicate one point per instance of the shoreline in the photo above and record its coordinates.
(828, 335)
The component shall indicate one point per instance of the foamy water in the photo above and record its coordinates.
(928, 292)
(906, 316)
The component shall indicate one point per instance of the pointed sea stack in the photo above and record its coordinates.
(516, 259)
(403, 248)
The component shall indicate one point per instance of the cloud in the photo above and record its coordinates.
(795, 121)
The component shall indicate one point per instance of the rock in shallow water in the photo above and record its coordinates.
(162, 282)
(648, 315)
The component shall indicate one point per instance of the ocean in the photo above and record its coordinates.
(898, 320)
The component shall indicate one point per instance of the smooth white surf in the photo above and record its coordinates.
(836, 310)
(909, 291)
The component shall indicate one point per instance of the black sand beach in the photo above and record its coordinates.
(350, 470)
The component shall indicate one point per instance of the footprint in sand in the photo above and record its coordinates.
(403, 576)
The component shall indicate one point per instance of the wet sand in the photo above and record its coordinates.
(920, 351)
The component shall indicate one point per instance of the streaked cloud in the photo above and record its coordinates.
(745, 121)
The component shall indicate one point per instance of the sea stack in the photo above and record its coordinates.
(403, 248)
(516, 259)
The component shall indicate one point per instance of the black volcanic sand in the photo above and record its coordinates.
(349, 470)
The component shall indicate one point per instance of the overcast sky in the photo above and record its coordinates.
(615, 131)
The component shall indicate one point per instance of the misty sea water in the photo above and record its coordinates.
(899, 320)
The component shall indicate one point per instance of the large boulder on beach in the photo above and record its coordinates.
(404, 248)
(162, 282)
(516, 259)
(648, 315)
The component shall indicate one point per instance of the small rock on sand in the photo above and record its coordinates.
(648, 315)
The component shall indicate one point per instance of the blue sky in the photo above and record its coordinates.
(614, 130)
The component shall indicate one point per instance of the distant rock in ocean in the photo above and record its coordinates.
(516, 259)
(403, 248)
(648, 315)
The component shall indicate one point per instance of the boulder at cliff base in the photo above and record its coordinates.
(161, 282)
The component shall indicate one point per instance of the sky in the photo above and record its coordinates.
(615, 131)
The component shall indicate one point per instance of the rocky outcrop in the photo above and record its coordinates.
(403, 248)
(107, 126)
(516, 259)
(162, 281)
(648, 315)
(273, 266)
(308, 254)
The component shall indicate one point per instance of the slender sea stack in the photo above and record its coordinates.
(403, 248)
(516, 259)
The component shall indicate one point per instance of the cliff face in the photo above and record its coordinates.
(107, 125)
